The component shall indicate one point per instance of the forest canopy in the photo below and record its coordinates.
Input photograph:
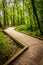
(22, 12)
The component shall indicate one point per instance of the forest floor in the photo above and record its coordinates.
(33, 55)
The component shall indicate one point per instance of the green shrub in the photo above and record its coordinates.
(22, 27)
(5, 48)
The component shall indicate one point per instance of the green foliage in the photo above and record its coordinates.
(39, 8)
(26, 30)
(22, 27)
(21, 12)
(5, 48)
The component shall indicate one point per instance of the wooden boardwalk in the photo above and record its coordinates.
(33, 55)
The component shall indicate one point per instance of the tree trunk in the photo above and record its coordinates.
(4, 13)
(13, 16)
(35, 13)
(29, 16)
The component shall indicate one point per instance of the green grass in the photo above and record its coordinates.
(5, 48)
(25, 29)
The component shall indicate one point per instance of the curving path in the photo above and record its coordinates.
(33, 55)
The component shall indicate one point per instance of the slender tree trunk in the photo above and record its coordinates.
(29, 15)
(35, 12)
(4, 13)
(23, 12)
(18, 16)
(13, 16)
(30, 20)
(21, 16)
(0, 25)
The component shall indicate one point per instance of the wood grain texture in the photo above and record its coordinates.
(33, 55)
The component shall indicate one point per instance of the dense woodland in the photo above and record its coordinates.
(26, 15)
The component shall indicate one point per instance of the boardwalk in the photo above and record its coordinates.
(33, 55)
